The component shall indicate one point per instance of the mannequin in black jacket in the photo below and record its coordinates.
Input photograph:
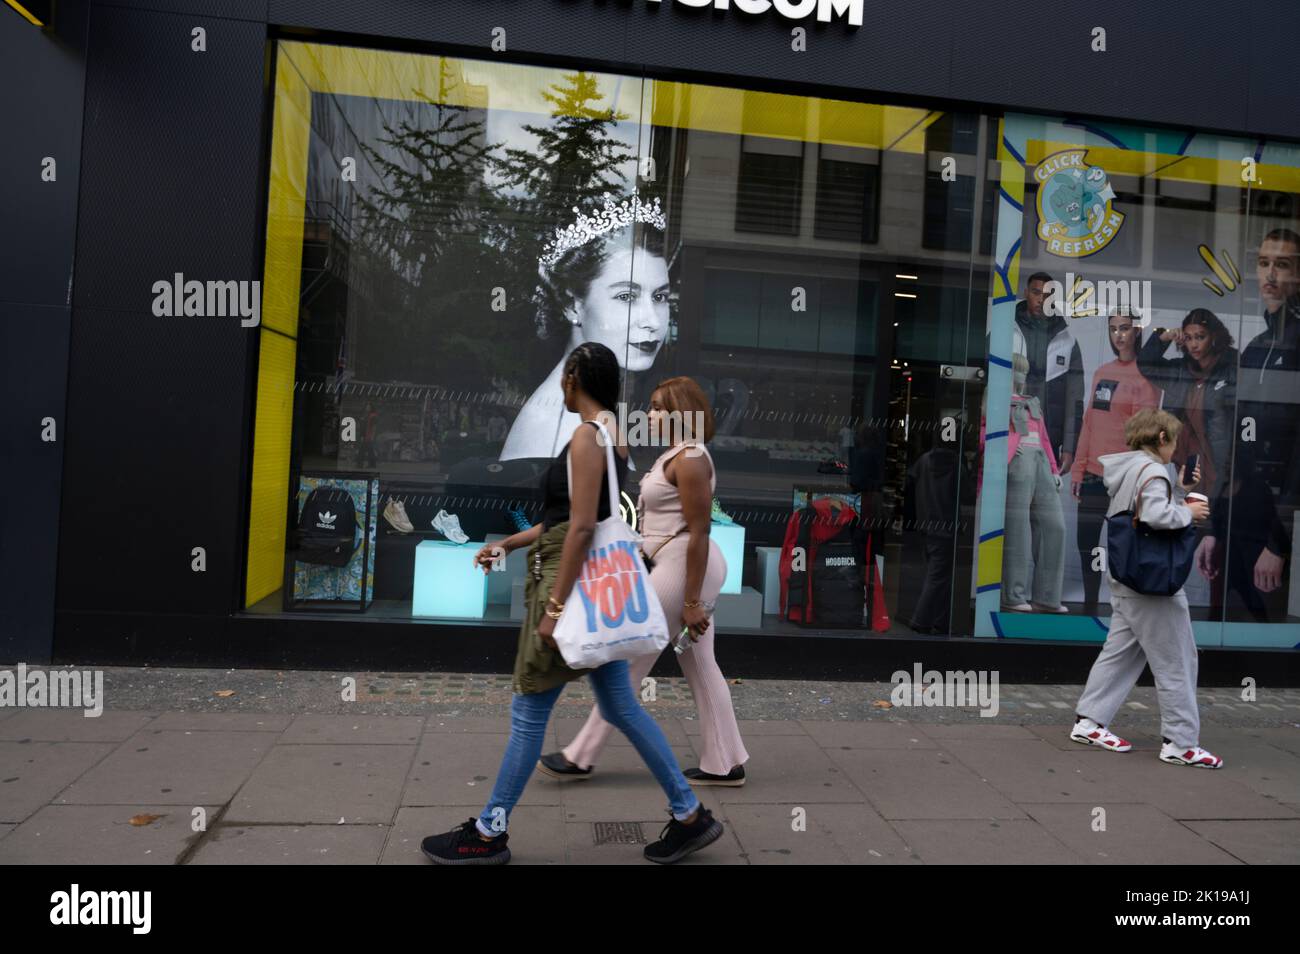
(1268, 429)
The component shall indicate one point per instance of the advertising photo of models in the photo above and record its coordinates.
(1131, 303)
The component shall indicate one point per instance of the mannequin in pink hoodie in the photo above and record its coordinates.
(1033, 546)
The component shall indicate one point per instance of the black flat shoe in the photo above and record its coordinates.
(735, 778)
(558, 767)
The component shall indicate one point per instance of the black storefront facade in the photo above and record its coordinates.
(838, 225)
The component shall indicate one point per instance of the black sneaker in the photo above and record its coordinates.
(679, 839)
(735, 778)
(464, 846)
(558, 767)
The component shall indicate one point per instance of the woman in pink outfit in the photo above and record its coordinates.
(687, 570)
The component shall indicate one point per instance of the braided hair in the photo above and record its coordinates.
(597, 371)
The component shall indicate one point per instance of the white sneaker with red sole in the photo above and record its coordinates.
(1088, 732)
(1194, 756)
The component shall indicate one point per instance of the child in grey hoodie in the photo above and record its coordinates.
(1148, 629)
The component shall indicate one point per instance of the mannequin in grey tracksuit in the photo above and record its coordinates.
(1146, 629)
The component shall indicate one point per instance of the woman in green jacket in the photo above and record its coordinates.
(557, 545)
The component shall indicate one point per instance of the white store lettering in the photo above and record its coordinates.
(826, 10)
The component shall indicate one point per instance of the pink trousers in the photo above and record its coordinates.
(722, 748)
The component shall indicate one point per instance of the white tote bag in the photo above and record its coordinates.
(613, 611)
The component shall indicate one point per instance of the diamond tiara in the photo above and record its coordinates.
(610, 218)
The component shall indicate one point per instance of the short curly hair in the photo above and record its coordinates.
(1142, 430)
(563, 284)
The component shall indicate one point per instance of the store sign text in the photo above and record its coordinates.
(826, 10)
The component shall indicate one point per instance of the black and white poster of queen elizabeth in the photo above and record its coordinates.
(602, 277)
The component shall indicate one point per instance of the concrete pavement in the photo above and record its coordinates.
(220, 770)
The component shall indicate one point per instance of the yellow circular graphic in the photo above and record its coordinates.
(1076, 213)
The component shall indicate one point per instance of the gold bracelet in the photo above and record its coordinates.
(553, 615)
(701, 604)
(558, 605)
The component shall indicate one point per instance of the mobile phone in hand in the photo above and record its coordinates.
(1189, 468)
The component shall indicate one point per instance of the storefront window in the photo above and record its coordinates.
(800, 264)
(843, 281)
(1141, 268)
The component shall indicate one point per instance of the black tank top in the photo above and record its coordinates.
(555, 487)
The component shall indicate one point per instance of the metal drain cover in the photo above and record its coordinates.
(618, 833)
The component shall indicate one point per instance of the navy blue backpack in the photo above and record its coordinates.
(1143, 558)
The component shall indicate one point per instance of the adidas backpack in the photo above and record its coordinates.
(327, 528)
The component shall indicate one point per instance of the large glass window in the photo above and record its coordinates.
(845, 281)
(1139, 269)
(803, 265)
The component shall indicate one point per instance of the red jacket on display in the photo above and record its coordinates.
(827, 524)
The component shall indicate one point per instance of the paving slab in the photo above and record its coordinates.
(460, 769)
(1255, 842)
(71, 725)
(983, 842)
(1260, 766)
(171, 768)
(1134, 834)
(961, 731)
(1183, 792)
(318, 728)
(223, 721)
(868, 735)
(1282, 738)
(790, 770)
(324, 784)
(1034, 771)
(103, 835)
(292, 845)
(32, 774)
(828, 834)
(922, 784)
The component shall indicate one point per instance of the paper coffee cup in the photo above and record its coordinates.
(1200, 497)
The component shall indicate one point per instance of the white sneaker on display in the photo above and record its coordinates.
(1194, 756)
(448, 524)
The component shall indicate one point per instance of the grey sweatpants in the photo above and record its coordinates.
(1033, 532)
(1155, 630)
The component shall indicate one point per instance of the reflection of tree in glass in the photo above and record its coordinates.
(457, 217)
(576, 160)
(423, 229)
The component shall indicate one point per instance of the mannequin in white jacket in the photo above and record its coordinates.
(1148, 629)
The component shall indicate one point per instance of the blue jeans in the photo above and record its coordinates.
(618, 706)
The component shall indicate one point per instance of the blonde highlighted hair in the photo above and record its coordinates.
(1142, 430)
(684, 397)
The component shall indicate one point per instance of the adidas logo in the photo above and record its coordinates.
(326, 520)
(841, 561)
